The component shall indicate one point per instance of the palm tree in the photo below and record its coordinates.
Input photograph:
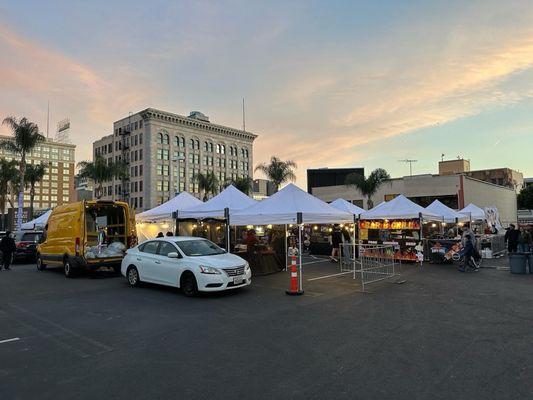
(278, 171)
(244, 184)
(100, 171)
(26, 137)
(207, 182)
(8, 174)
(369, 186)
(34, 174)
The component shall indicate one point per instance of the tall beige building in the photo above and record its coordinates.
(57, 186)
(164, 151)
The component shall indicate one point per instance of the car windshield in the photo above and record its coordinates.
(194, 248)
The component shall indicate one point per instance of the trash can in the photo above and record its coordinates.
(530, 262)
(517, 262)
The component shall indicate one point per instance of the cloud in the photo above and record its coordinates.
(31, 74)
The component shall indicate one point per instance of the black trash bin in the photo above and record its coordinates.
(517, 262)
(530, 262)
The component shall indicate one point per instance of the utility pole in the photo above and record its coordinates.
(243, 117)
(410, 162)
(47, 118)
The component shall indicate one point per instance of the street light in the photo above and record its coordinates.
(178, 160)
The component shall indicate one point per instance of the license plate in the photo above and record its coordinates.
(238, 280)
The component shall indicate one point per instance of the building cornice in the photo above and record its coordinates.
(164, 116)
(47, 141)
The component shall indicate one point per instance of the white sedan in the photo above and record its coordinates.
(190, 263)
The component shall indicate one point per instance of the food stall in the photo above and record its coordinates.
(397, 222)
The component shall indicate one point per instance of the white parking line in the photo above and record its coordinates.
(9, 340)
(330, 276)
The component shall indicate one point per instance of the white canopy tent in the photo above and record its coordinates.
(37, 223)
(399, 208)
(230, 198)
(473, 212)
(164, 211)
(343, 205)
(448, 215)
(283, 207)
(289, 206)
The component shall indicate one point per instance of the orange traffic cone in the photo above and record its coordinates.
(294, 289)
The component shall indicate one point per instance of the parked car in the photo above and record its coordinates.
(87, 234)
(190, 263)
(26, 242)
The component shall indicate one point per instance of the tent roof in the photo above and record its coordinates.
(164, 211)
(399, 208)
(37, 223)
(343, 205)
(447, 214)
(231, 198)
(282, 207)
(473, 212)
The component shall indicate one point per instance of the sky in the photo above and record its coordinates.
(327, 84)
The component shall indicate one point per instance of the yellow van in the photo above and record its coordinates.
(88, 234)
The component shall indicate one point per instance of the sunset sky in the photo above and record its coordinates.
(327, 83)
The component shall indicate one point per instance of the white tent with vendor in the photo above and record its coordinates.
(473, 212)
(230, 199)
(343, 205)
(448, 214)
(164, 212)
(291, 205)
(400, 208)
(37, 223)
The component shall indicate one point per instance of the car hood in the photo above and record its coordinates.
(226, 260)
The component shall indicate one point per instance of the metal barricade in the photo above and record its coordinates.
(377, 263)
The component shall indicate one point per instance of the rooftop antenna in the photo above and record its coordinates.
(410, 165)
(442, 157)
(243, 117)
(47, 118)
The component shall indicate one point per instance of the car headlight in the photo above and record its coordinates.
(205, 269)
(246, 266)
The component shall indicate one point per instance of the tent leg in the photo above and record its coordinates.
(300, 227)
(286, 250)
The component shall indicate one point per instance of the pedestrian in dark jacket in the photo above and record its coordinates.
(7, 247)
(511, 237)
(468, 252)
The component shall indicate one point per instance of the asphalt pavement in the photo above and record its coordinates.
(440, 335)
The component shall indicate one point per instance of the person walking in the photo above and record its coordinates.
(524, 241)
(511, 238)
(468, 252)
(8, 247)
(336, 240)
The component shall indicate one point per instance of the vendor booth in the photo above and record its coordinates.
(37, 223)
(397, 222)
(161, 218)
(290, 206)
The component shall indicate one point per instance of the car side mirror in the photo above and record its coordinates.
(173, 255)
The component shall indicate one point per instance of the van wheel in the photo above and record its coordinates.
(188, 285)
(68, 269)
(133, 276)
(41, 266)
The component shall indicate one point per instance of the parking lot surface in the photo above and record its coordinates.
(440, 335)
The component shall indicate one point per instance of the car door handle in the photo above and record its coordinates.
(139, 259)
(157, 262)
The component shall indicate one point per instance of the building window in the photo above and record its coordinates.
(206, 146)
(141, 186)
(140, 170)
(140, 134)
(166, 139)
(160, 138)
(191, 144)
(162, 154)
(218, 149)
(140, 201)
(140, 125)
(140, 154)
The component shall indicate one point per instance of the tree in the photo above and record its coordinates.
(369, 186)
(34, 174)
(100, 171)
(8, 174)
(208, 183)
(525, 198)
(244, 184)
(278, 171)
(26, 137)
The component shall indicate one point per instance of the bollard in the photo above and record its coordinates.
(294, 289)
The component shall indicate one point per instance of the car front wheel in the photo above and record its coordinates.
(68, 269)
(188, 285)
(133, 276)
(40, 265)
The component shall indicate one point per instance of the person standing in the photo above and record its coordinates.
(8, 247)
(524, 241)
(511, 238)
(336, 240)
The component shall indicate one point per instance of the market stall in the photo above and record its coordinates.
(397, 222)
(291, 206)
(161, 218)
(37, 223)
